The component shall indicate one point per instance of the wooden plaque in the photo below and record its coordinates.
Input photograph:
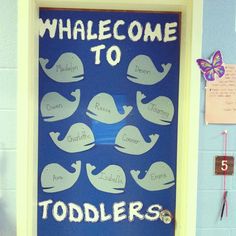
(224, 165)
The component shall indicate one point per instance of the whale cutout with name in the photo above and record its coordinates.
(67, 68)
(141, 70)
(130, 140)
(55, 107)
(110, 180)
(102, 108)
(55, 178)
(158, 177)
(79, 138)
(158, 111)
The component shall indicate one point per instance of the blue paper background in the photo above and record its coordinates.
(112, 80)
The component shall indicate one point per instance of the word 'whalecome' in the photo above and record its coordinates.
(118, 30)
(106, 29)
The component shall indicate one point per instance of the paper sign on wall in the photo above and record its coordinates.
(221, 98)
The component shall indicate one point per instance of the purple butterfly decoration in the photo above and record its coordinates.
(213, 69)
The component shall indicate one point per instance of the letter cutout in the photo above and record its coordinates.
(55, 107)
(79, 138)
(55, 178)
(141, 70)
(67, 68)
(110, 180)
(129, 140)
(158, 111)
(102, 108)
(158, 177)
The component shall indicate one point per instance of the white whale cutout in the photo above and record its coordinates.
(55, 107)
(79, 138)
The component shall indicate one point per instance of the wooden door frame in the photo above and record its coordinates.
(189, 96)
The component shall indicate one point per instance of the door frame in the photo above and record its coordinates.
(189, 96)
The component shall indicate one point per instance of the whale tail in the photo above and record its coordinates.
(76, 93)
(90, 167)
(140, 96)
(76, 165)
(166, 68)
(54, 136)
(154, 137)
(43, 62)
(135, 174)
(127, 109)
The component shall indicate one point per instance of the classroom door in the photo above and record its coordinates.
(108, 117)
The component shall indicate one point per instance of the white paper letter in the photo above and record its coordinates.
(97, 50)
(56, 213)
(63, 29)
(118, 211)
(149, 33)
(104, 217)
(75, 213)
(134, 208)
(170, 30)
(45, 205)
(89, 208)
(104, 28)
(139, 33)
(115, 30)
(79, 27)
(117, 56)
(90, 35)
(47, 25)
(153, 212)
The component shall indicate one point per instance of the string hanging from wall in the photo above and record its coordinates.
(225, 192)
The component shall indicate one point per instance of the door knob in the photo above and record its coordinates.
(166, 216)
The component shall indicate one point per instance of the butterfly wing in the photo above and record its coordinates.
(207, 69)
(220, 71)
(217, 59)
(214, 70)
(204, 65)
(210, 75)
(217, 63)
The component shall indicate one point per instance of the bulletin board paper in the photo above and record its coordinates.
(108, 122)
(221, 98)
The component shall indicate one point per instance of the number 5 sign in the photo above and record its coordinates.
(224, 165)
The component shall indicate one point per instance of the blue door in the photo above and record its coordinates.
(108, 115)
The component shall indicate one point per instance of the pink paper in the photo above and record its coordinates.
(221, 98)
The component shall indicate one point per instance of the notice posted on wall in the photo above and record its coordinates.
(221, 98)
